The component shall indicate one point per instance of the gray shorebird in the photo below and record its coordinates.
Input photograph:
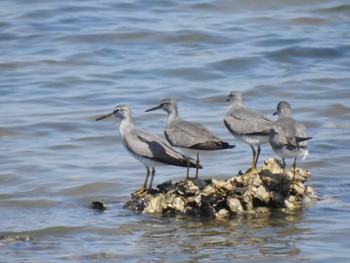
(288, 137)
(247, 125)
(147, 148)
(188, 135)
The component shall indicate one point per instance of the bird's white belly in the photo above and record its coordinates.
(252, 139)
(285, 153)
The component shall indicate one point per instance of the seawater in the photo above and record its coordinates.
(63, 63)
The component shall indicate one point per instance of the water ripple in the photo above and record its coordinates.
(65, 63)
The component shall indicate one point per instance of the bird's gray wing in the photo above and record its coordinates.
(298, 138)
(150, 146)
(291, 134)
(244, 121)
(296, 143)
(193, 135)
(179, 137)
(188, 139)
(197, 130)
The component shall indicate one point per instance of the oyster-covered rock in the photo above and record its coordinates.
(235, 205)
(253, 192)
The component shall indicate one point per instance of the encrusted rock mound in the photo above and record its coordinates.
(252, 192)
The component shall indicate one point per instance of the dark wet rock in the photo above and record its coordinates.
(98, 206)
(200, 183)
(253, 192)
(166, 187)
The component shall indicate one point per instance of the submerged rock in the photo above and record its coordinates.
(254, 191)
(98, 206)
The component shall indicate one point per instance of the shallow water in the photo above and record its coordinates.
(63, 63)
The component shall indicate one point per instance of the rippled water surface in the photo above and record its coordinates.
(63, 63)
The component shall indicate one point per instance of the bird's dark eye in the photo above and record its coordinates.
(162, 104)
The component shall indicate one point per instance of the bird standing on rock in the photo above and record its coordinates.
(146, 147)
(288, 137)
(188, 135)
(247, 125)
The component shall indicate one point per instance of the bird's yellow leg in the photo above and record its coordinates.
(188, 170)
(143, 189)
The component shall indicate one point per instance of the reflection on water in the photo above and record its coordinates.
(246, 236)
(250, 237)
(63, 64)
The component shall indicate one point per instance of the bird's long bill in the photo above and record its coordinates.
(229, 98)
(105, 116)
(154, 108)
(275, 113)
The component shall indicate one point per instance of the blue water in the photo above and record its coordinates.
(63, 63)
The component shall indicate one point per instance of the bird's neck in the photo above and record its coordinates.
(172, 116)
(234, 105)
(285, 114)
(125, 125)
(238, 102)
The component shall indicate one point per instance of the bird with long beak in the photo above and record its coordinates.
(147, 148)
(188, 135)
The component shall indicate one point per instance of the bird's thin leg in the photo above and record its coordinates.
(257, 156)
(188, 170)
(147, 175)
(144, 187)
(197, 165)
(294, 168)
(254, 156)
(152, 176)
(284, 166)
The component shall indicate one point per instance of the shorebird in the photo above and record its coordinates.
(188, 135)
(147, 148)
(247, 125)
(288, 137)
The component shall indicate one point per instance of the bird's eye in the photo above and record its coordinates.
(162, 104)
